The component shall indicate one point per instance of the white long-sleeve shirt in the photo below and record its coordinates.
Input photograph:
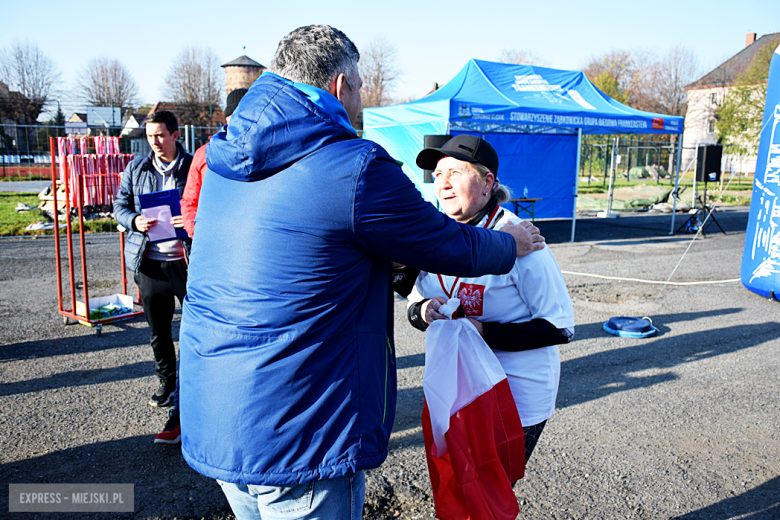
(534, 288)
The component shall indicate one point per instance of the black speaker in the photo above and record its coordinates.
(433, 141)
(708, 158)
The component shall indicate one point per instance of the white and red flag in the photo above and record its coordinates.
(474, 441)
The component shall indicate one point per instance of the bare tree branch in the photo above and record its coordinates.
(379, 70)
(521, 57)
(106, 82)
(680, 67)
(24, 68)
(642, 80)
(194, 78)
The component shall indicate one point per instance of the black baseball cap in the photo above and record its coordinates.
(469, 148)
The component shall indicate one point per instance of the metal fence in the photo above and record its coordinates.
(634, 159)
(637, 159)
(25, 170)
(25, 156)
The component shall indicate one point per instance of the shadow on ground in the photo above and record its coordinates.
(661, 322)
(165, 487)
(83, 343)
(637, 225)
(604, 373)
(79, 378)
(759, 503)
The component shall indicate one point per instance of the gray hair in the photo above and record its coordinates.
(316, 55)
(500, 191)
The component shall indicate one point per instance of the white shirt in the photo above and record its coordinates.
(534, 288)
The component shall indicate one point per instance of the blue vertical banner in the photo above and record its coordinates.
(761, 257)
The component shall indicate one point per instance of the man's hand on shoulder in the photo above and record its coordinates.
(526, 237)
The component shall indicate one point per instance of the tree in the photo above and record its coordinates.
(658, 85)
(520, 57)
(144, 109)
(612, 87)
(379, 71)
(59, 117)
(194, 78)
(680, 67)
(613, 73)
(106, 82)
(25, 69)
(739, 119)
(643, 81)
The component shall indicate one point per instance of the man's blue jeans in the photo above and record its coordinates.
(335, 499)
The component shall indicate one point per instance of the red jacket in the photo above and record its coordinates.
(189, 201)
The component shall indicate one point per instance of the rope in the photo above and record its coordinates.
(668, 282)
(704, 282)
(698, 232)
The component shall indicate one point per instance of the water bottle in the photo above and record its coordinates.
(525, 192)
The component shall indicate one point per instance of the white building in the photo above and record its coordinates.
(707, 94)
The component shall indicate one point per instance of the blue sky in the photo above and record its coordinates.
(434, 39)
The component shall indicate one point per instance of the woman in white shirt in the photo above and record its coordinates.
(521, 315)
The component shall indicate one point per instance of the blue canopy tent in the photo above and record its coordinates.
(533, 116)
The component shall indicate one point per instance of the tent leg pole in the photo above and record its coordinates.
(612, 171)
(676, 182)
(695, 169)
(576, 184)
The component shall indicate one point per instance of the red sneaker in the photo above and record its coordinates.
(171, 434)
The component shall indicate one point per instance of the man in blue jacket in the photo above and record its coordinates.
(160, 269)
(288, 378)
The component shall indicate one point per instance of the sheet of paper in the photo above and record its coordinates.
(163, 229)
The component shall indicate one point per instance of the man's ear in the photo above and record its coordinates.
(338, 86)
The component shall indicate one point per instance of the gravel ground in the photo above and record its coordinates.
(681, 425)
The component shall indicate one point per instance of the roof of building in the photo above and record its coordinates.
(195, 114)
(727, 72)
(14, 106)
(137, 118)
(243, 61)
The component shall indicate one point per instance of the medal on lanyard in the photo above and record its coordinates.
(457, 278)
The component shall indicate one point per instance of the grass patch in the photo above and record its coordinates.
(30, 177)
(591, 189)
(12, 194)
(15, 224)
(730, 200)
(685, 187)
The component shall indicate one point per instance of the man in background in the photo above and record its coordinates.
(171, 432)
(160, 269)
(189, 201)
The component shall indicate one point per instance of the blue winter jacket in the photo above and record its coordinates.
(287, 367)
(139, 179)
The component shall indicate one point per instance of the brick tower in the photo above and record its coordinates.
(241, 73)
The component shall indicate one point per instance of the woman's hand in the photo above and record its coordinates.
(477, 325)
(430, 310)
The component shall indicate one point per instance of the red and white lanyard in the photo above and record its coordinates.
(457, 278)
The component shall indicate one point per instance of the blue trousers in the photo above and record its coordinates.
(335, 499)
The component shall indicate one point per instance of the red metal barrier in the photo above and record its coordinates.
(102, 182)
